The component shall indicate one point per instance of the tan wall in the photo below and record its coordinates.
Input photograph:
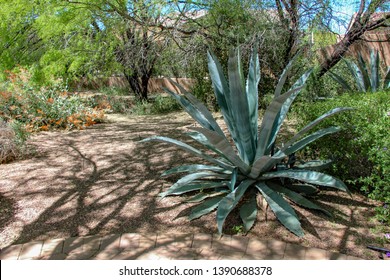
(156, 85)
(382, 44)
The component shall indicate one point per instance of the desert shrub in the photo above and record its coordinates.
(159, 104)
(12, 140)
(43, 108)
(361, 151)
(164, 104)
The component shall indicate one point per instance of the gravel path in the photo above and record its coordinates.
(100, 181)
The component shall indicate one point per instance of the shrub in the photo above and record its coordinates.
(361, 150)
(260, 167)
(12, 140)
(43, 108)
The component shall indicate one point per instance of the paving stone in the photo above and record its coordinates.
(230, 255)
(256, 246)
(175, 241)
(52, 247)
(264, 255)
(80, 255)
(276, 246)
(221, 243)
(135, 240)
(316, 254)
(186, 254)
(31, 250)
(353, 258)
(73, 244)
(160, 253)
(110, 242)
(239, 243)
(91, 243)
(127, 255)
(294, 252)
(57, 256)
(337, 256)
(202, 241)
(11, 252)
(106, 254)
(207, 254)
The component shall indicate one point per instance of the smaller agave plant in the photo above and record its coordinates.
(366, 78)
(235, 176)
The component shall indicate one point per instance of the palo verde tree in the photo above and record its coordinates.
(88, 38)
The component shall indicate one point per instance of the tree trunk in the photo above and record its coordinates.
(139, 85)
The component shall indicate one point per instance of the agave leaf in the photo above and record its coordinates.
(239, 109)
(202, 196)
(198, 197)
(316, 165)
(357, 74)
(269, 119)
(190, 178)
(194, 112)
(223, 145)
(283, 77)
(286, 107)
(252, 95)
(221, 88)
(265, 163)
(296, 197)
(200, 107)
(230, 201)
(315, 122)
(193, 168)
(233, 180)
(375, 79)
(283, 211)
(188, 148)
(304, 189)
(288, 150)
(248, 213)
(386, 81)
(195, 186)
(363, 69)
(205, 207)
(308, 176)
(340, 80)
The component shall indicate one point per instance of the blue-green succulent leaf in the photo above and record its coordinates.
(283, 211)
(229, 202)
(206, 207)
(308, 176)
(248, 213)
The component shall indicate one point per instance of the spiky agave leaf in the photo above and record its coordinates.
(248, 213)
(375, 70)
(386, 80)
(283, 211)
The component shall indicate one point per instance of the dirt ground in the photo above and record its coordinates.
(100, 181)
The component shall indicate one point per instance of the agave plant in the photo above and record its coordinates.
(254, 165)
(366, 79)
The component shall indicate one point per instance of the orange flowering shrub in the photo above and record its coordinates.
(43, 108)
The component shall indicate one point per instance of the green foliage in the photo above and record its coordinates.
(361, 150)
(159, 104)
(43, 108)
(258, 165)
(13, 137)
(367, 74)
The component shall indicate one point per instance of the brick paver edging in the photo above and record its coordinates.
(135, 246)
